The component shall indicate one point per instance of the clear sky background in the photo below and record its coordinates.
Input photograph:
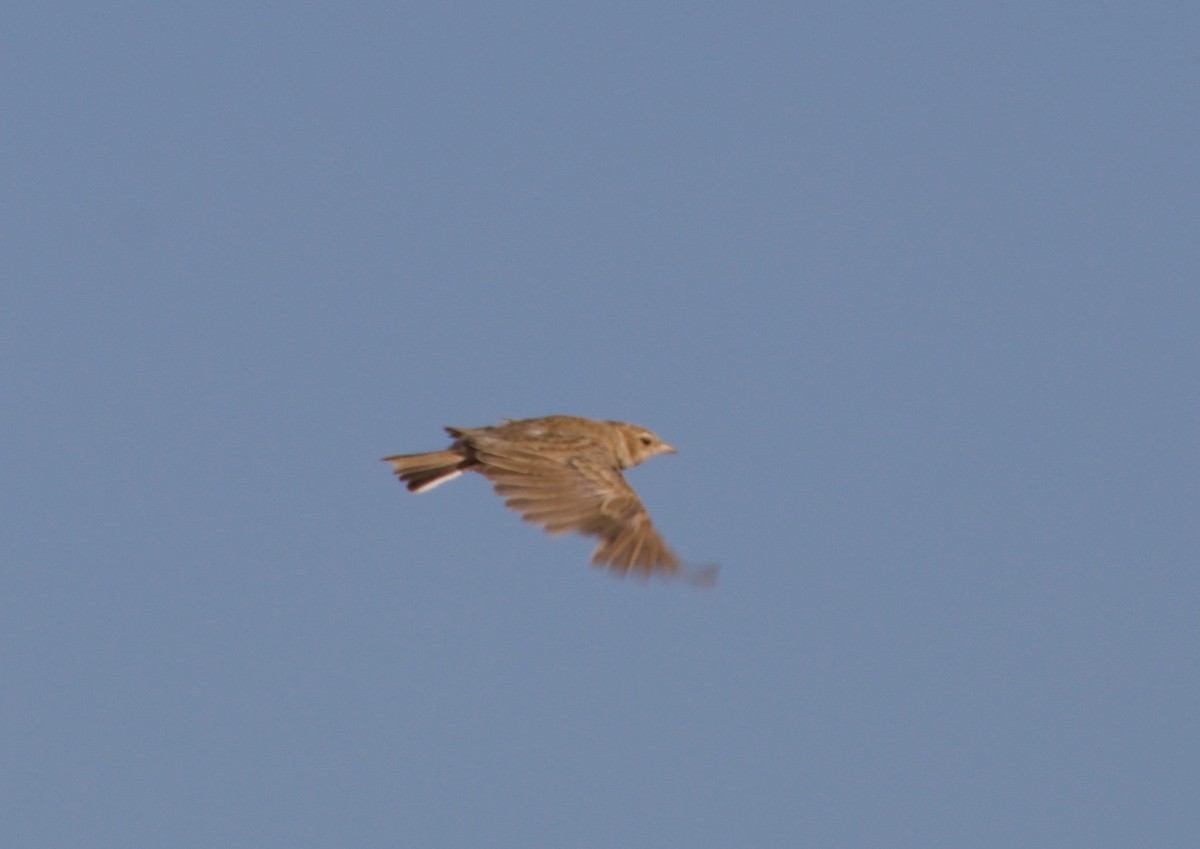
(914, 288)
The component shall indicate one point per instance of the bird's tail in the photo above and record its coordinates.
(425, 471)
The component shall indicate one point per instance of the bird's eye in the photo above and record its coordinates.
(646, 440)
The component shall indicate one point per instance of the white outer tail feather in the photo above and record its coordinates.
(436, 482)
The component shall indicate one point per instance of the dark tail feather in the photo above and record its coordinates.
(425, 471)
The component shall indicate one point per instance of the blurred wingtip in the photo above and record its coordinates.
(703, 576)
(700, 576)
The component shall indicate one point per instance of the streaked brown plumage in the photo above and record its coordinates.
(563, 473)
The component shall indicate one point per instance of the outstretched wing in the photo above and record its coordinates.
(581, 494)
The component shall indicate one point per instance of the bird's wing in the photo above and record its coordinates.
(582, 494)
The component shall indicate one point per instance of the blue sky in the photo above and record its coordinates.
(914, 291)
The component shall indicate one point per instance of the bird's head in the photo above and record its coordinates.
(637, 444)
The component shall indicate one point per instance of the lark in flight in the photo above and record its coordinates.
(563, 473)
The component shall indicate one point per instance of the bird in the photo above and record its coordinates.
(563, 473)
